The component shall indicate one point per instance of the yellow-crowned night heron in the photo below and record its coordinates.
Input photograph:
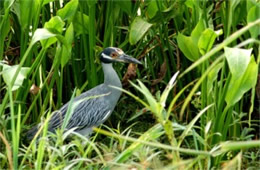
(96, 105)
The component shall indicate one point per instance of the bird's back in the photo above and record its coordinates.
(91, 108)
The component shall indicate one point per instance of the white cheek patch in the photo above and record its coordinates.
(106, 56)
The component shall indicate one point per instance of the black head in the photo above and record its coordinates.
(112, 54)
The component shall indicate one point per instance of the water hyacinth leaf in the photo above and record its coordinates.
(253, 15)
(66, 54)
(238, 60)
(8, 74)
(188, 47)
(239, 86)
(207, 40)
(138, 29)
(80, 23)
(68, 11)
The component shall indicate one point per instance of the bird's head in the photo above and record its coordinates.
(113, 54)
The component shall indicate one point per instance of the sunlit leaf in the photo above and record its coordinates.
(239, 86)
(8, 74)
(55, 23)
(238, 60)
(41, 34)
(138, 29)
(207, 40)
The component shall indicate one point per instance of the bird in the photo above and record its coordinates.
(94, 106)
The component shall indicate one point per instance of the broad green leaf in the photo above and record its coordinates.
(8, 74)
(138, 29)
(41, 34)
(126, 6)
(55, 24)
(207, 40)
(197, 31)
(253, 15)
(68, 11)
(239, 86)
(188, 47)
(238, 60)
(66, 53)
(80, 23)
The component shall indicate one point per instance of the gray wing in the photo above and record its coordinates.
(90, 109)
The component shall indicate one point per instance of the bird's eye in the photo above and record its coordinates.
(113, 55)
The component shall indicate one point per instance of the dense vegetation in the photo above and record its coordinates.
(193, 104)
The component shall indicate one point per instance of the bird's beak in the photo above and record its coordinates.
(127, 59)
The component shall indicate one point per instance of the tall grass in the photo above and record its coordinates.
(195, 105)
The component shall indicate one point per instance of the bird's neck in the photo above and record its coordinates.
(110, 76)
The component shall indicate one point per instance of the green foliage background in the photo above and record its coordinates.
(195, 104)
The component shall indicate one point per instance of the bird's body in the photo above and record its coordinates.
(93, 107)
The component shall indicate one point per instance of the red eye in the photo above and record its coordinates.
(113, 55)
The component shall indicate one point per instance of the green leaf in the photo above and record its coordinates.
(253, 15)
(188, 47)
(239, 86)
(207, 40)
(66, 51)
(197, 31)
(41, 34)
(80, 23)
(68, 11)
(238, 60)
(8, 74)
(138, 29)
(55, 23)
